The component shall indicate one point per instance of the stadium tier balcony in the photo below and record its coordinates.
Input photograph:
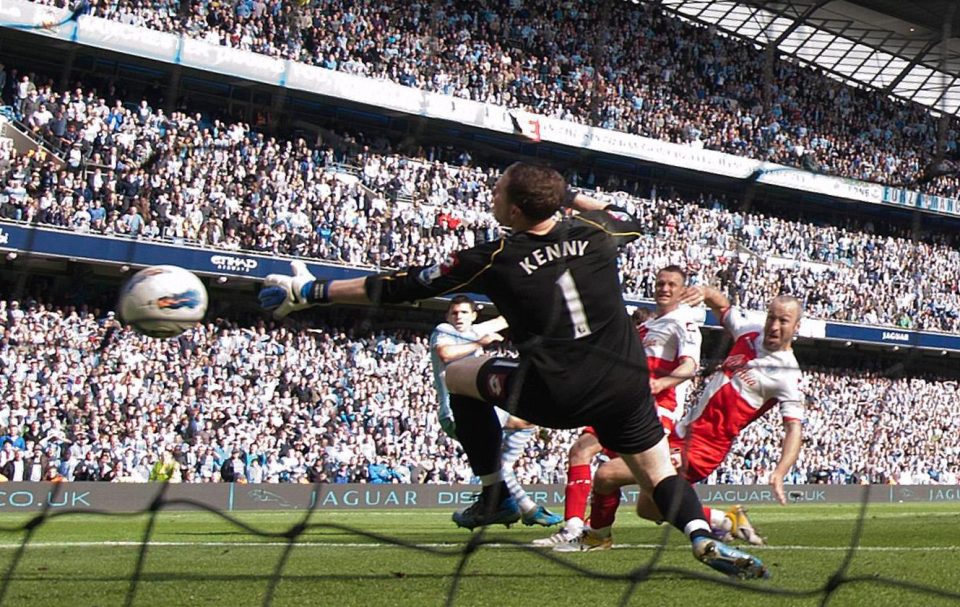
(134, 171)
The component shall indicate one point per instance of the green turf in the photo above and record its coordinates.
(202, 559)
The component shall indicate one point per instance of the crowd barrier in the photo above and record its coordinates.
(113, 250)
(230, 497)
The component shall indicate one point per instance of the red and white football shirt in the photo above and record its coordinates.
(667, 341)
(750, 382)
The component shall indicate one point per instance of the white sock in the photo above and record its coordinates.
(527, 504)
(514, 442)
(574, 525)
(696, 525)
(719, 520)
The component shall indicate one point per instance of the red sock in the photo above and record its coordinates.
(603, 509)
(706, 513)
(579, 483)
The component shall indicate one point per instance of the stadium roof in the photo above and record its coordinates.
(907, 49)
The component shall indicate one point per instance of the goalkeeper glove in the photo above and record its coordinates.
(282, 294)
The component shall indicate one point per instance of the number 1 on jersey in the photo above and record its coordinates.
(578, 316)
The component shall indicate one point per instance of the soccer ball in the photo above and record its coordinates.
(162, 301)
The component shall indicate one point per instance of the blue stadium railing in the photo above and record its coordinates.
(58, 243)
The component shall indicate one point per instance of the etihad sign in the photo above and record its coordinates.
(234, 264)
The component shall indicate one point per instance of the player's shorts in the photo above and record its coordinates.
(608, 453)
(620, 409)
(697, 462)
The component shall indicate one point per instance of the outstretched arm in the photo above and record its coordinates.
(451, 352)
(790, 451)
(283, 294)
(684, 371)
(488, 333)
(494, 325)
(349, 291)
(714, 299)
(583, 203)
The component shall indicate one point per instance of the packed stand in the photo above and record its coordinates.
(141, 173)
(622, 65)
(84, 399)
(860, 429)
(840, 273)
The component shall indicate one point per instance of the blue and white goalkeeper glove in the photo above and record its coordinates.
(282, 294)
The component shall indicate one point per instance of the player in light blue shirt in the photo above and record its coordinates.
(458, 338)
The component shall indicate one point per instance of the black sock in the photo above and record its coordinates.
(479, 432)
(679, 505)
(494, 494)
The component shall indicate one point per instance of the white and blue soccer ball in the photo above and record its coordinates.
(162, 301)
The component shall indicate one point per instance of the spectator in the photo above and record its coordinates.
(234, 469)
(655, 74)
(15, 469)
(165, 469)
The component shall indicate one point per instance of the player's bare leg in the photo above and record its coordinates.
(610, 477)
(725, 525)
(604, 501)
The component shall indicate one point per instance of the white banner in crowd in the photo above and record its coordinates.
(643, 148)
(129, 39)
(20, 12)
(102, 33)
(796, 179)
(235, 62)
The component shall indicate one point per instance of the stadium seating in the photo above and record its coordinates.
(286, 400)
(335, 406)
(84, 396)
(138, 172)
(653, 74)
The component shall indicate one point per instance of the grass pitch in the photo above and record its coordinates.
(908, 554)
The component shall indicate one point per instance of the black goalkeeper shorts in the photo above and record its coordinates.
(620, 409)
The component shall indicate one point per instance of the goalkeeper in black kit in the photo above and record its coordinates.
(556, 282)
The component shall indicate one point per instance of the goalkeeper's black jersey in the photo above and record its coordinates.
(560, 293)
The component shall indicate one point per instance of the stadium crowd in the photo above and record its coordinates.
(860, 428)
(83, 399)
(627, 66)
(88, 400)
(135, 171)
